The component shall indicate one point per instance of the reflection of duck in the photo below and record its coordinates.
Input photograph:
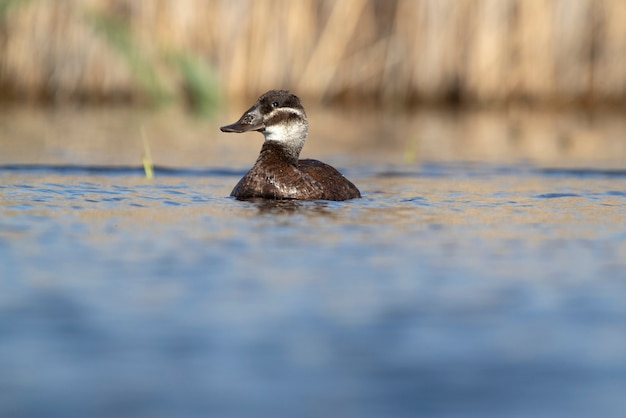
(278, 173)
(291, 207)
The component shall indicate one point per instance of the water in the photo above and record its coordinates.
(454, 288)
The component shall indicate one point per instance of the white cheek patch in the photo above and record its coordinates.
(282, 133)
(292, 132)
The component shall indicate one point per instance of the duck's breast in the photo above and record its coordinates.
(334, 185)
(280, 182)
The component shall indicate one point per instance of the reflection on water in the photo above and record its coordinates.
(453, 288)
(291, 207)
(105, 137)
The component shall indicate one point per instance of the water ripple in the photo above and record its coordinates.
(556, 195)
(117, 170)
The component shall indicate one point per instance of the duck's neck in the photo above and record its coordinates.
(277, 152)
(289, 138)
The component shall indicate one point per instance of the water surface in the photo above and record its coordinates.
(477, 283)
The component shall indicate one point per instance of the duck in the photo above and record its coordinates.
(278, 173)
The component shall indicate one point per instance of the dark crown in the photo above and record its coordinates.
(275, 99)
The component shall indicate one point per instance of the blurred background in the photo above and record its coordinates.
(415, 80)
(391, 52)
(481, 275)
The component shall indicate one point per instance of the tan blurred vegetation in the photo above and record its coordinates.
(392, 52)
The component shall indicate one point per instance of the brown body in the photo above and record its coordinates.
(278, 172)
(275, 176)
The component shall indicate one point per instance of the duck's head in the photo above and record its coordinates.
(278, 115)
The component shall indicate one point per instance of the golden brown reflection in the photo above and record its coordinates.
(531, 207)
(107, 136)
(368, 143)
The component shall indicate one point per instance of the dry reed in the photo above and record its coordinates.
(391, 51)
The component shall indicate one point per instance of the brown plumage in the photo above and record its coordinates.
(278, 173)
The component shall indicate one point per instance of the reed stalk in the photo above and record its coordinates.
(398, 51)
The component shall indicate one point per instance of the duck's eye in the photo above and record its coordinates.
(275, 104)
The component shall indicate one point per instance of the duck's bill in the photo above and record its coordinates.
(250, 121)
(241, 127)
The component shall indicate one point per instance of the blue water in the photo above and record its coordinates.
(449, 290)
